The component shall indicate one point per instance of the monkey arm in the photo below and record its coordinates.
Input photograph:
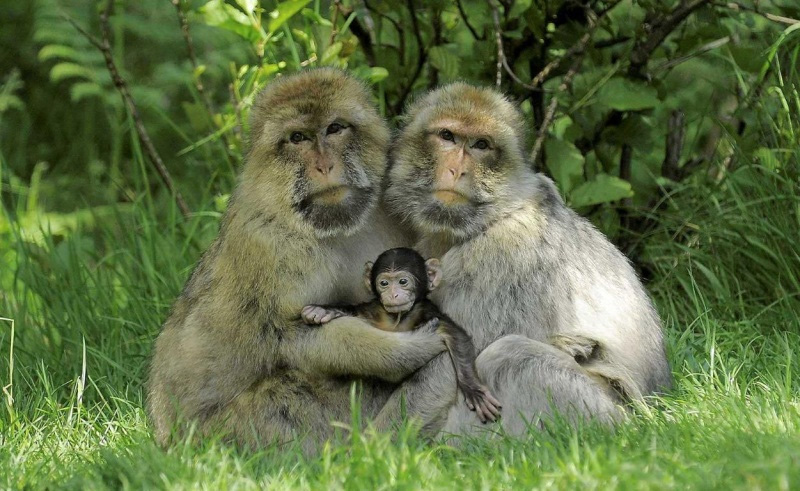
(350, 346)
(462, 353)
(322, 314)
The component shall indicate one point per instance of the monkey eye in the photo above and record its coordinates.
(383, 283)
(447, 135)
(297, 137)
(481, 144)
(334, 128)
(403, 281)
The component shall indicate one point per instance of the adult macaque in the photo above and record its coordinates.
(400, 280)
(234, 356)
(559, 314)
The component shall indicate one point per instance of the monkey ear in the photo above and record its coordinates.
(434, 270)
(368, 275)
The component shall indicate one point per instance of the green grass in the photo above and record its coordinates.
(87, 293)
(87, 306)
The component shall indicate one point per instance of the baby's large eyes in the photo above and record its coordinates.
(403, 281)
(383, 283)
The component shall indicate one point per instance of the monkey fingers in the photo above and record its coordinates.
(314, 314)
(490, 404)
(480, 400)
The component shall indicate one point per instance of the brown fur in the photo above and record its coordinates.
(233, 354)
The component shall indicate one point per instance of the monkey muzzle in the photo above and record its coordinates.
(398, 308)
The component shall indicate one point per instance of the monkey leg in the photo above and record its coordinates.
(425, 398)
(534, 380)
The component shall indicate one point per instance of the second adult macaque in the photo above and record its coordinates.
(401, 279)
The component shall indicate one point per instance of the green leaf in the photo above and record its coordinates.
(602, 189)
(316, 18)
(197, 115)
(219, 14)
(565, 163)
(58, 51)
(82, 90)
(284, 12)
(62, 71)
(247, 5)
(376, 74)
(626, 95)
(768, 158)
(331, 53)
(445, 59)
(10, 101)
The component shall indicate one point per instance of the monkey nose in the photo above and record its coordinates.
(324, 167)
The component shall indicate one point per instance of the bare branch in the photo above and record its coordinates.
(463, 14)
(551, 109)
(773, 17)
(421, 58)
(364, 33)
(89, 37)
(198, 82)
(502, 62)
(672, 153)
(660, 28)
(104, 45)
(699, 51)
(577, 49)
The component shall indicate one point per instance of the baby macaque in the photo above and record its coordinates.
(401, 279)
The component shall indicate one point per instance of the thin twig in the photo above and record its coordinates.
(198, 82)
(577, 48)
(401, 46)
(773, 17)
(502, 62)
(422, 55)
(463, 14)
(551, 108)
(104, 45)
(661, 28)
(699, 51)
(364, 33)
(335, 17)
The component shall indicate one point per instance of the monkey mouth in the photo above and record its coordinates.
(450, 197)
(399, 308)
(331, 195)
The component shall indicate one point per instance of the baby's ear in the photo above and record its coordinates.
(434, 270)
(368, 276)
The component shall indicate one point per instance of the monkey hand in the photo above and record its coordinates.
(480, 400)
(433, 326)
(315, 314)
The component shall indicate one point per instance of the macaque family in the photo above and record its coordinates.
(557, 315)
(400, 280)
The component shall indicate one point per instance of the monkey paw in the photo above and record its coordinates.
(480, 400)
(314, 314)
(430, 327)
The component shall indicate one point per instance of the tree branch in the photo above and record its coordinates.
(463, 14)
(660, 28)
(551, 109)
(502, 62)
(104, 45)
(198, 82)
(774, 18)
(421, 59)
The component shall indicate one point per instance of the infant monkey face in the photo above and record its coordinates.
(397, 290)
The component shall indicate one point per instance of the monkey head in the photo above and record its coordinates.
(317, 151)
(400, 277)
(452, 165)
